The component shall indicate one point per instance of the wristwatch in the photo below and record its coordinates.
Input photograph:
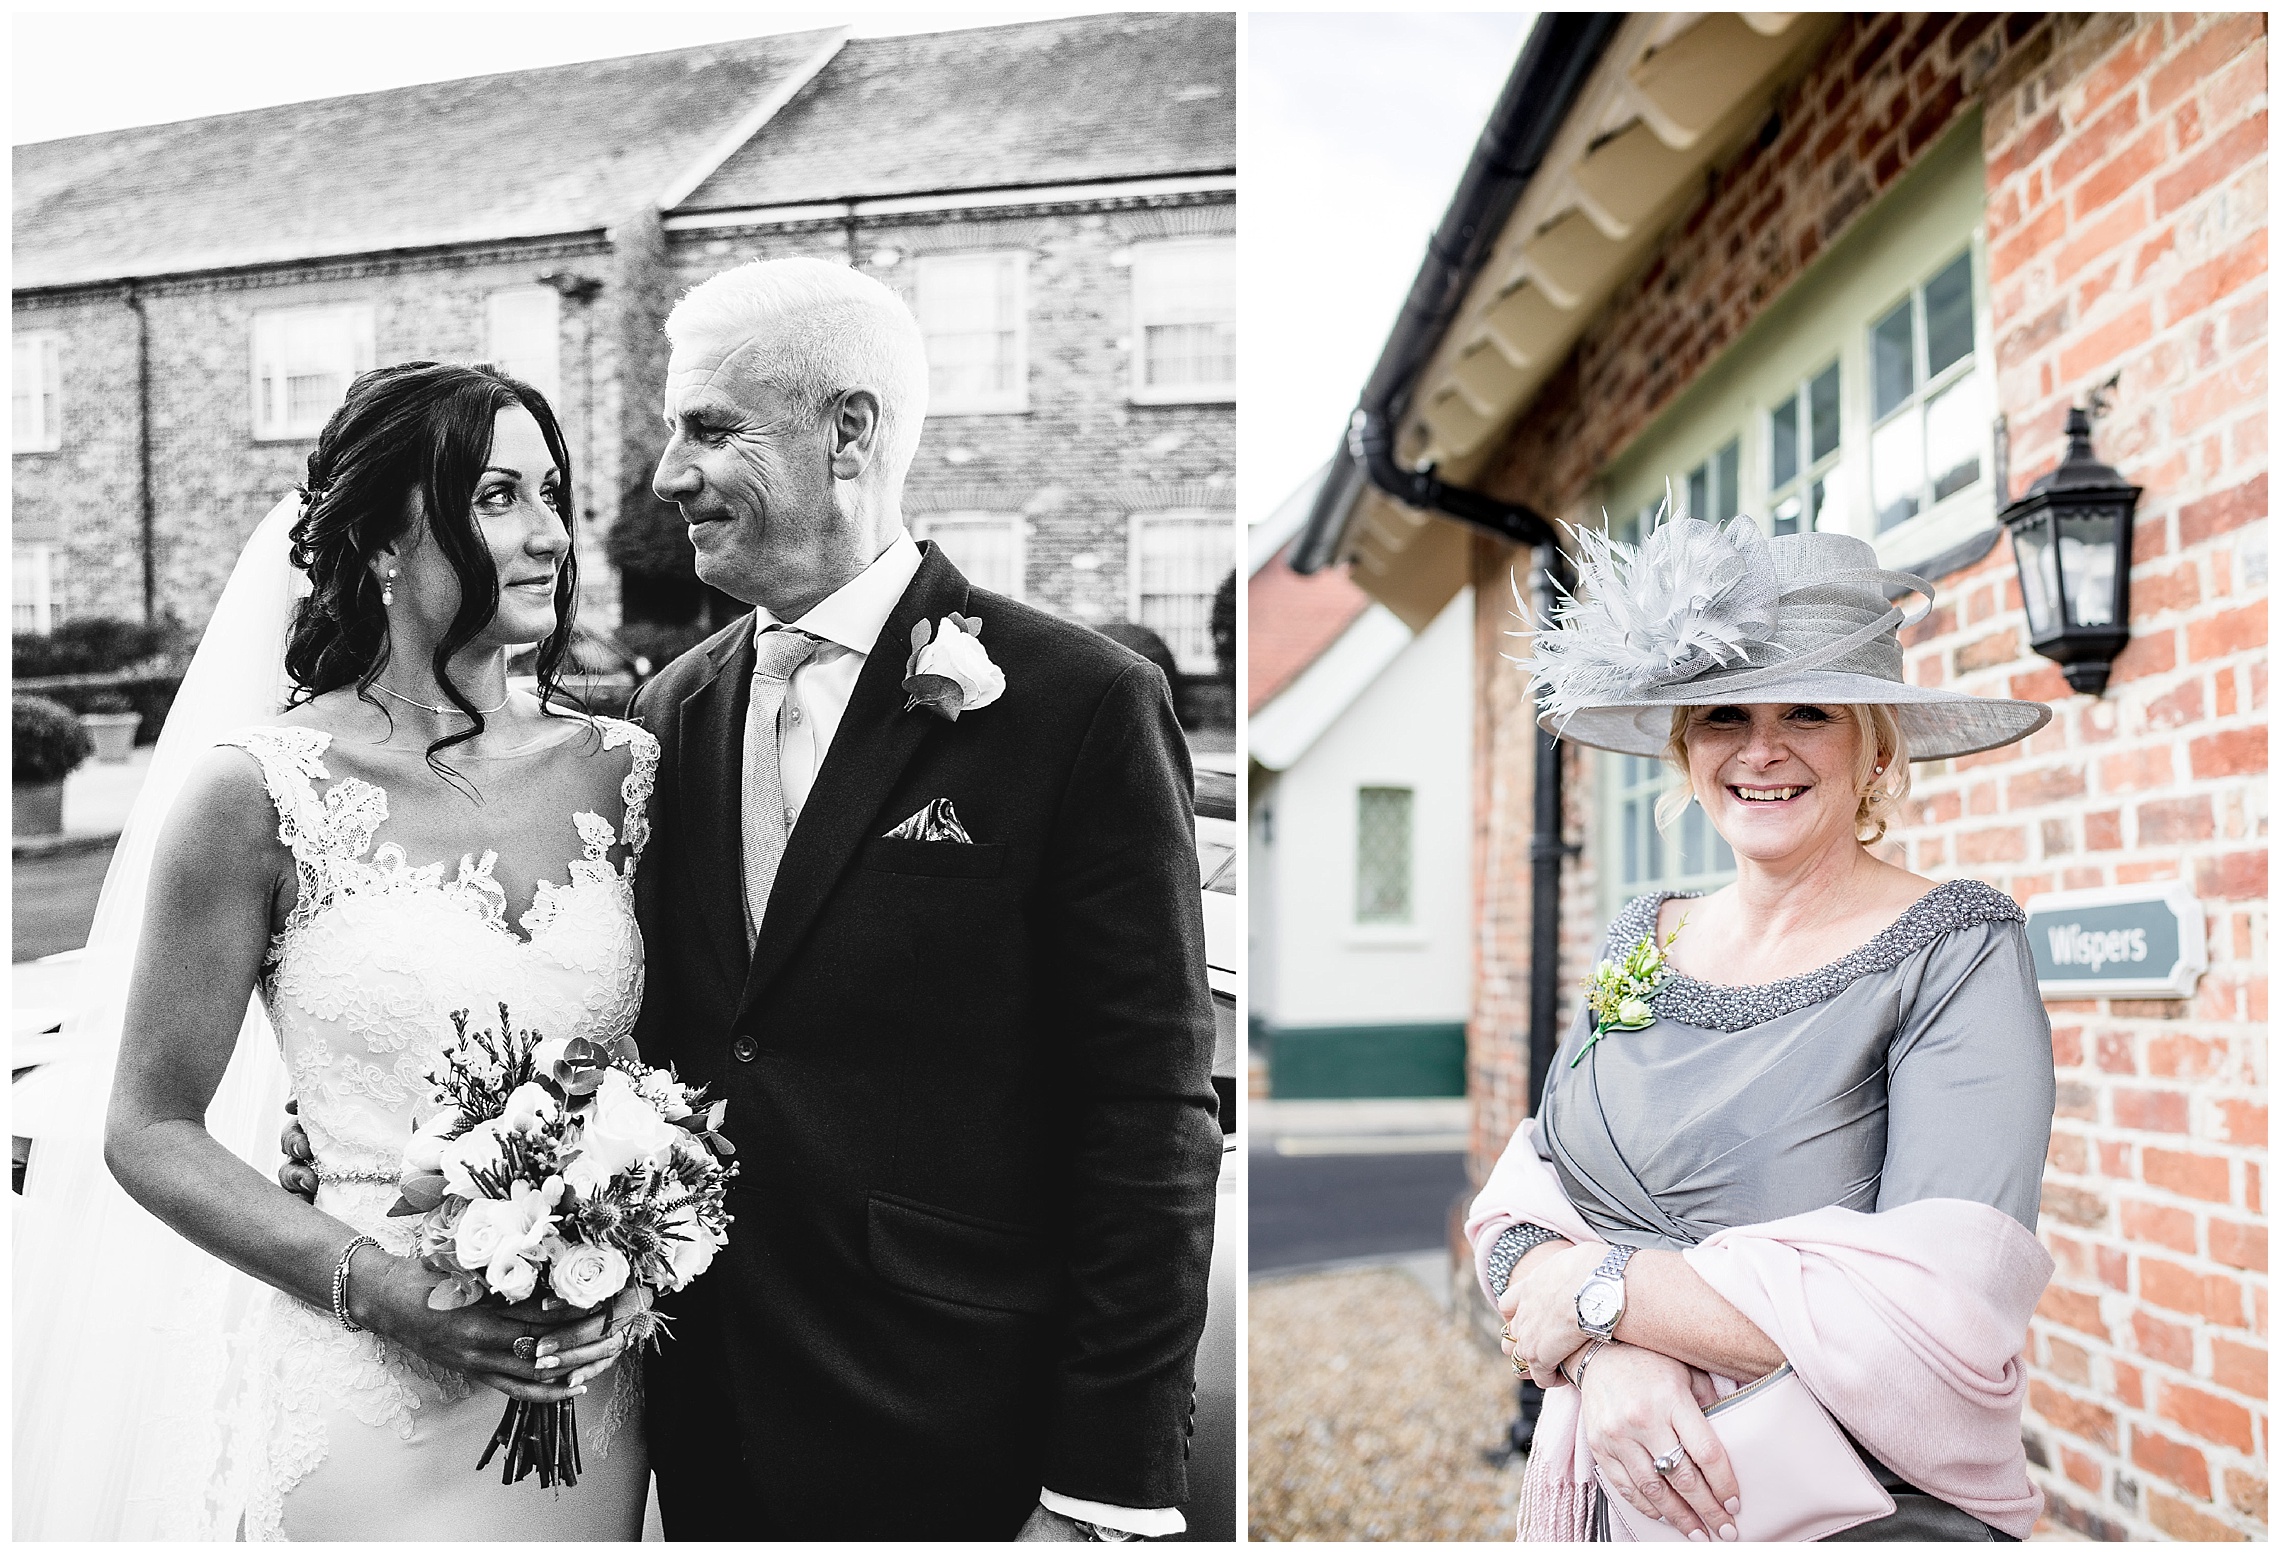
(1599, 1304)
(1516, 1242)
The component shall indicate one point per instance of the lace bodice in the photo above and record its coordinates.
(377, 952)
(360, 983)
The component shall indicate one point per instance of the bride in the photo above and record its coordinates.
(397, 836)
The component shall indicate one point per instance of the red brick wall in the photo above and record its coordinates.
(2126, 232)
(2126, 228)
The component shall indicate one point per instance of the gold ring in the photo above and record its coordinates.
(1520, 1366)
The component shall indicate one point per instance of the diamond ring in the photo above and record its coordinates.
(1668, 1462)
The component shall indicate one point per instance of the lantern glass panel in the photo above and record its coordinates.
(2086, 551)
(2038, 575)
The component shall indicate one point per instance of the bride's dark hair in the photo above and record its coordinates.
(411, 441)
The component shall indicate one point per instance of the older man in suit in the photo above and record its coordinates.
(937, 942)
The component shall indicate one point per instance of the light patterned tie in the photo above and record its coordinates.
(767, 819)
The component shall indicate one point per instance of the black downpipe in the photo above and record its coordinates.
(1547, 848)
(134, 301)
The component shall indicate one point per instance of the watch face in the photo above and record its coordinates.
(1599, 1302)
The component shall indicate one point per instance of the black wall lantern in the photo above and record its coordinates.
(2071, 537)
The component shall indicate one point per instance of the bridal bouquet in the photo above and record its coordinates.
(567, 1164)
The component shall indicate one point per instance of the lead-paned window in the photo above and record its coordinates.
(973, 310)
(987, 547)
(522, 337)
(1382, 851)
(1178, 559)
(1183, 306)
(303, 362)
(35, 392)
(1928, 399)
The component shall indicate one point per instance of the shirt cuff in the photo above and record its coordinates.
(1161, 1522)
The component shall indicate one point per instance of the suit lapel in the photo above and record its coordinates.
(875, 741)
(711, 762)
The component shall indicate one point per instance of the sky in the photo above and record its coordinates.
(1355, 128)
(79, 72)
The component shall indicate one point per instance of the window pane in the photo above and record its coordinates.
(1698, 492)
(1631, 819)
(523, 337)
(970, 310)
(1185, 296)
(1947, 316)
(1789, 514)
(1891, 362)
(1955, 426)
(1896, 469)
(1785, 441)
(1828, 509)
(1381, 855)
(1729, 480)
(987, 550)
(1827, 414)
(1694, 839)
(1178, 565)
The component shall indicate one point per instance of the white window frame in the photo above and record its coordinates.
(1145, 303)
(1197, 517)
(35, 563)
(1959, 510)
(276, 423)
(1824, 473)
(1011, 400)
(516, 363)
(39, 354)
(931, 525)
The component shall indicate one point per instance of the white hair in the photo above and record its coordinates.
(829, 329)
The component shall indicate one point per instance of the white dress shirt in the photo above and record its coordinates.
(848, 622)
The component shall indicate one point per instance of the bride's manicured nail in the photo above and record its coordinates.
(1697, 1536)
(547, 1362)
(1729, 1532)
(1733, 1508)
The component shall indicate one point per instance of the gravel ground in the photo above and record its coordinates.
(1371, 1414)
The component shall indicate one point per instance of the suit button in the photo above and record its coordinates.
(744, 1049)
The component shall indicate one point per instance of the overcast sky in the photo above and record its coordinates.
(79, 72)
(1355, 129)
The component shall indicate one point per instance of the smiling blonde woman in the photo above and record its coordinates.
(1801, 1120)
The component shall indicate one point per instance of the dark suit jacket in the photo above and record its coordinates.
(969, 1089)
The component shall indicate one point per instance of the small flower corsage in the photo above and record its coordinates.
(1620, 990)
(950, 671)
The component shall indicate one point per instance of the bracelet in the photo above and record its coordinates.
(340, 1281)
(1590, 1353)
(1504, 1255)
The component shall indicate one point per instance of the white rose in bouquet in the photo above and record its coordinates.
(659, 1090)
(588, 1275)
(689, 1247)
(585, 1175)
(623, 1128)
(511, 1276)
(494, 1227)
(529, 1106)
(475, 1150)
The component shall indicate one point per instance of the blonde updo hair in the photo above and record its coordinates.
(1880, 794)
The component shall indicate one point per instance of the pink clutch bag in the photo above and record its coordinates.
(1800, 1478)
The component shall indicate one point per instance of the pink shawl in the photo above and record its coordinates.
(1908, 1326)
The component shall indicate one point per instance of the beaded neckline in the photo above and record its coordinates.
(1944, 908)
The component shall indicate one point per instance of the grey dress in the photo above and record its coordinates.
(1918, 1066)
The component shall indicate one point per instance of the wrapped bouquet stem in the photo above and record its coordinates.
(564, 1165)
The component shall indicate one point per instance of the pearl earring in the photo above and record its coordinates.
(388, 597)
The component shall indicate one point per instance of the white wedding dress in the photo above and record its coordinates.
(345, 1435)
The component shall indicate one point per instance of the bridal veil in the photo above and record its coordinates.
(126, 1366)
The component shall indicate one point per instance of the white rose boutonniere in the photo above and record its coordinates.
(1621, 990)
(950, 671)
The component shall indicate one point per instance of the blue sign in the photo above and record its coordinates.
(2133, 940)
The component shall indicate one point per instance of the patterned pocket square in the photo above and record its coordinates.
(938, 822)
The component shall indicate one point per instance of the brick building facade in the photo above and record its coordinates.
(1072, 156)
(2115, 170)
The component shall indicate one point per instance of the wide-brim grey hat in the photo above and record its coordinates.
(1700, 615)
